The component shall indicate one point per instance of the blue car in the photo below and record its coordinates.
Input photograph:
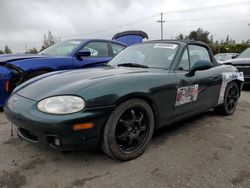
(70, 54)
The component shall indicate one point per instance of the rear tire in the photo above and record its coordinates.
(231, 97)
(128, 130)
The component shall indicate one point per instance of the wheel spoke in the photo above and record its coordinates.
(133, 114)
(125, 123)
(234, 91)
(143, 128)
(231, 106)
(141, 117)
(230, 91)
(123, 136)
(130, 140)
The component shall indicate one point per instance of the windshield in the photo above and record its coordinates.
(61, 49)
(152, 55)
(245, 54)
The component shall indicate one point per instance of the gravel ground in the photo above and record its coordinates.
(205, 151)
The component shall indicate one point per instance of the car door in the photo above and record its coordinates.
(199, 91)
(99, 54)
(186, 87)
(209, 80)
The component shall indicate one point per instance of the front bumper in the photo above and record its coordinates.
(47, 129)
(246, 71)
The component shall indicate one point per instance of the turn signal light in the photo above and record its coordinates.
(7, 86)
(83, 126)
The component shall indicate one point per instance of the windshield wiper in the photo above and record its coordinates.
(132, 65)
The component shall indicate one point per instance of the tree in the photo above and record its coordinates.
(211, 38)
(32, 51)
(7, 50)
(1, 52)
(49, 40)
(45, 42)
(227, 40)
(180, 37)
(199, 35)
(225, 45)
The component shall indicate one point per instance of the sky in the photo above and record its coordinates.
(24, 23)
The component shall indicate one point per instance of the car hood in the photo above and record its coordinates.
(14, 57)
(69, 82)
(239, 61)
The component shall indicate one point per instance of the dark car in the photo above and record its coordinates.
(15, 69)
(223, 57)
(242, 62)
(118, 107)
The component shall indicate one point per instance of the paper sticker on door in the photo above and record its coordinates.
(186, 94)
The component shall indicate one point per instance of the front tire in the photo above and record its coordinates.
(231, 97)
(128, 130)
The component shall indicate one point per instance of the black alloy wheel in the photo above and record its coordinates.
(231, 97)
(131, 129)
(128, 130)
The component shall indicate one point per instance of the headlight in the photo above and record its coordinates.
(61, 105)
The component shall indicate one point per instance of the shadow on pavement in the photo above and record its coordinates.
(246, 87)
(181, 126)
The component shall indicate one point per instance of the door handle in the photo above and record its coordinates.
(215, 77)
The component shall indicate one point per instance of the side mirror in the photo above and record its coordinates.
(200, 65)
(234, 56)
(83, 53)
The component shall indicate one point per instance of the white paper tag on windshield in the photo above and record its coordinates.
(75, 42)
(165, 45)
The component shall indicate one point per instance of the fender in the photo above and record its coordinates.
(229, 77)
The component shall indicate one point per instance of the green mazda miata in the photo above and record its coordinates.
(118, 107)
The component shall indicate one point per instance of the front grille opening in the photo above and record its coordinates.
(28, 135)
(54, 141)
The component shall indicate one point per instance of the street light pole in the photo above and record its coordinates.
(161, 21)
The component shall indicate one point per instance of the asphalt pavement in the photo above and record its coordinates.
(204, 151)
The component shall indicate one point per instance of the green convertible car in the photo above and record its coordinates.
(118, 107)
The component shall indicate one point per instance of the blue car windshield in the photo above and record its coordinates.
(62, 48)
(245, 54)
(147, 55)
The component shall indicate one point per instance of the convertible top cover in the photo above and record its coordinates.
(130, 37)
